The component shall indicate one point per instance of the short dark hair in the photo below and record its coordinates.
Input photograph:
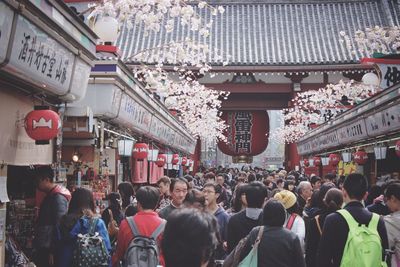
(148, 197)
(44, 172)
(164, 179)
(217, 187)
(356, 185)
(177, 180)
(256, 192)
(209, 175)
(330, 177)
(279, 181)
(315, 179)
(393, 189)
(81, 200)
(274, 213)
(194, 196)
(127, 191)
(251, 177)
(189, 226)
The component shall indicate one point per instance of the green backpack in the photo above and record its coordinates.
(363, 246)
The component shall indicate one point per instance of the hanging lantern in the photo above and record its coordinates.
(306, 162)
(161, 160)
(317, 161)
(346, 156)
(191, 163)
(140, 151)
(152, 156)
(397, 148)
(175, 159)
(360, 157)
(184, 161)
(42, 125)
(334, 159)
(380, 152)
(325, 161)
(125, 147)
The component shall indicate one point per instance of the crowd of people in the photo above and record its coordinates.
(224, 217)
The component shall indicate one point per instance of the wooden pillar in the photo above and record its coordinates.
(197, 156)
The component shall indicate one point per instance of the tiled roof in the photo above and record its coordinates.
(267, 33)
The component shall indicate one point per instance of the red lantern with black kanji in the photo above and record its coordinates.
(246, 133)
(397, 148)
(317, 161)
(161, 159)
(184, 161)
(306, 162)
(42, 125)
(175, 159)
(140, 151)
(360, 157)
(334, 159)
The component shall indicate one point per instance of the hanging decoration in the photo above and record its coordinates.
(175, 159)
(334, 159)
(360, 157)
(42, 125)
(140, 151)
(317, 161)
(306, 163)
(161, 160)
(397, 148)
(184, 161)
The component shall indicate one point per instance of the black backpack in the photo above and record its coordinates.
(142, 250)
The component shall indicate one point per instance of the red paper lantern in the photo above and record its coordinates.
(175, 159)
(306, 162)
(397, 148)
(246, 133)
(360, 157)
(184, 161)
(334, 159)
(42, 125)
(191, 163)
(140, 151)
(161, 159)
(317, 161)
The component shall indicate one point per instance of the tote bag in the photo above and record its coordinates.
(251, 258)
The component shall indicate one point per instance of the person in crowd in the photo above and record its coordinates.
(293, 222)
(290, 185)
(278, 246)
(392, 221)
(329, 177)
(374, 192)
(209, 177)
(190, 180)
(195, 199)
(223, 198)
(304, 190)
(315, 182)
(211, 193)
(340, 181)
(125, 189)
(179, 188)
(241, 223)
(280, 183)
(332, 200)
(81, 212)
(335, 229)
(316, 203)
(52, 208)
(114, 209)
(251, 177)
(190, 238)
(239, 202)
(378, 204)
(164, 184)
(147, 221)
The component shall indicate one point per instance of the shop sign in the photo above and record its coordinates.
(328, 140)
(134, 115)
(6, 19)
(37, 56)
(80, 79)
(352, 132)
(390, 75)
(384, 121)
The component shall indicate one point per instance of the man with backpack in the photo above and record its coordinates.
(139, 236)
(353, 236)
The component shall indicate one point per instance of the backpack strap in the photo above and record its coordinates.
(290, 222)
(373, 223)
(133, 226)
(93, 224)
(351, 222)
(318, 225)
(158, 230)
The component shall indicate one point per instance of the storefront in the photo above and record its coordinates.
(363, 138)
(124, 115)
(46, 53)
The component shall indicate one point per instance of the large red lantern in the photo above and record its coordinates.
(246, 133)
(306, 162)
(360, 157)
(184, 161)
(334, 159)
(317, 161)
(161, 159)
(397, 148)
(175, 159)
(42, 125)
(140, 151)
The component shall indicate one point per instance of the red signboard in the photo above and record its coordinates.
(247, 133)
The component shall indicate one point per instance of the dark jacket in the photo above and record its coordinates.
(239, 226)
(335, 231)
(279, 247)
(313, 237)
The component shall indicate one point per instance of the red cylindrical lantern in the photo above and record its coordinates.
(246, 134)
(161, 159)
(184, 161)
(42, 125)
(397, 148)
(317, 161)
(140, 151)
(175, 159)
(334, 159)
(360, 157)
(306, 162)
